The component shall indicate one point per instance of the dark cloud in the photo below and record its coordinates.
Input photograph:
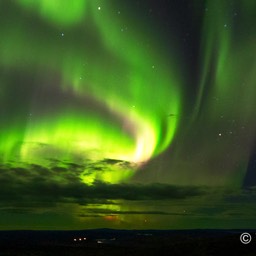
(116, 162)
(63, 184)
(245, 195)
(20, 210)
(90, 216)
(141, 191)
(35, 188)
(113, 212)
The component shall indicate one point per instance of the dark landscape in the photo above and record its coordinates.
(126, 242)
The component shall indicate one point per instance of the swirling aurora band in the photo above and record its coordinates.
(130, 90)
(88, 86)
(90, 90)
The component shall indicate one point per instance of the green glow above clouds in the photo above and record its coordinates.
(113, 68)
(224, 112)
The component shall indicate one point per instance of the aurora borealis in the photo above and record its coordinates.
(127, 115)
(108, 77)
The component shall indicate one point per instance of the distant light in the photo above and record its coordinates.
(80, 239)
(74, 239)
(84, 238)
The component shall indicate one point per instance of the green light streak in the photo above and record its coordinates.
(226, 62)
(115, 69)
(215, 44)
(73, 134)
(59, 12)
(226, 96)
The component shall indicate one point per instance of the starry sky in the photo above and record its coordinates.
(127, 114)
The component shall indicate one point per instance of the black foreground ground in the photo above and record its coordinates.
(126, 242)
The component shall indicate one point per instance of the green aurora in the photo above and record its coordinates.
(123, 81)
(90, 99)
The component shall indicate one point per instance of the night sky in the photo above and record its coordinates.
(132, 114)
